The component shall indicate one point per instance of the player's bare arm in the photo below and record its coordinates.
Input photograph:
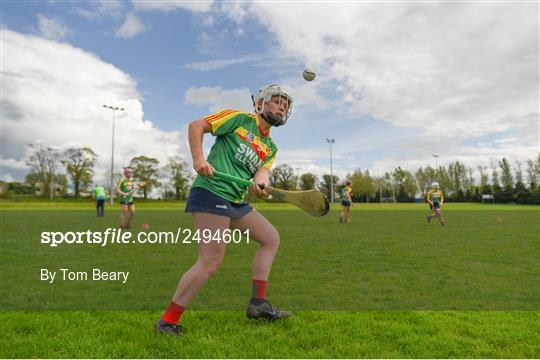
(196, 132)
(261, 177)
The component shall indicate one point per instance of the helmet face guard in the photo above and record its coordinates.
(435, 185)
(266, 93)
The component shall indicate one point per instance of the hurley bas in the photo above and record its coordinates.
(95, 275)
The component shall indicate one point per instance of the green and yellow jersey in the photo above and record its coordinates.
(241, 148)
(99, 193)
(126, 185)
(436, 196)
(344, 191)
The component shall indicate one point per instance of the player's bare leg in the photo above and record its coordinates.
(432, 215)
(210, 257)
(347, 217)
(262, 231)
(342, 214)
(438, 214)
(123, 215)
(130, 213)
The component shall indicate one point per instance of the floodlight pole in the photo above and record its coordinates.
(114, 109)
(436, 161)
(331, 141)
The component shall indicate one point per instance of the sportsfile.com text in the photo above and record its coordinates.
(116, 236)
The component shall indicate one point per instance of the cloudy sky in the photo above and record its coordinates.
(396, 81)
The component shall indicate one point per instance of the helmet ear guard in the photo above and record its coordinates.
(265, 94)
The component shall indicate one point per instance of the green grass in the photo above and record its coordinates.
(387, 285)
(313, 334)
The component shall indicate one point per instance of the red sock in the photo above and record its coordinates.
(258, 289)
(173, 313)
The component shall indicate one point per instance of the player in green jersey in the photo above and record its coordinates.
(435, 199)
(100, 196)
(346, 202)
(125, 188)
(242, 148)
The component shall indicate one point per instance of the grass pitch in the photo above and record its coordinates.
(387, 285)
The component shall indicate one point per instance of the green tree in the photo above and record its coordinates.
(363, 185)
(177, 171)
(389, 188)
(19, 188)
(44, 161)
(444, 178)
(507, 180)
(424, 178)
(495, 183)
(461, 181)
(325, 186)
(308, 181)
(378, 184)
(533, 172)
(282, 177)
(521, 195)
(79, 163)
(146, 169)
(484, 178)
(404, 184)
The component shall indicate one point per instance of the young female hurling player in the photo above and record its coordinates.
(346, 202)
(125, 189)
(435, 199)
(242, 148)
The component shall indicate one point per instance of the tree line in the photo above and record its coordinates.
(70, 173)
(501, 183)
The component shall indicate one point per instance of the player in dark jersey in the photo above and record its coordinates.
(242, 148)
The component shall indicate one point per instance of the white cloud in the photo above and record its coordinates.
(51, 28)
(112, 8)
(447, 68)
(221, 63)
(236, 10)
(68, 87)
(7, 178)
(131, 27)
(217, 98)
(167, 6)
(14, 164)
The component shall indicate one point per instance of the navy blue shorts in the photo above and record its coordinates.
(345, 203)
(434, 206)
(202, 200)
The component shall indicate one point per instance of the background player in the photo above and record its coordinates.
(125, 189)
(435, 199)
(346, 202)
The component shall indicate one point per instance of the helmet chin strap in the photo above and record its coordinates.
(269, 117)
(272, 119)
